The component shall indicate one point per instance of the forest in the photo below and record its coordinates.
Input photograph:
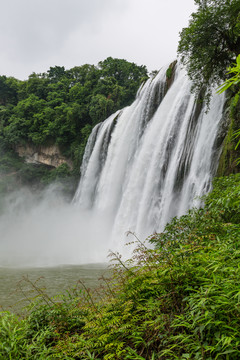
(178, 298)
(61, 107)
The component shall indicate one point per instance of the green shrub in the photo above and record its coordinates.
(169, 72)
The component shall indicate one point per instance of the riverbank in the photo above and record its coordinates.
(179, 301)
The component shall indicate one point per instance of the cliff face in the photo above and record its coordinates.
(229, 160)
(48, 155)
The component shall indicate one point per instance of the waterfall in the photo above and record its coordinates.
(142, 166)
(151, 161)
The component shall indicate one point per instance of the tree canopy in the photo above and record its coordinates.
(61, 106)
(211, 41)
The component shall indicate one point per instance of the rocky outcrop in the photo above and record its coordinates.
(170, 74)
(48, 155)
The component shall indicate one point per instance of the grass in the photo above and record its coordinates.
(178, 301)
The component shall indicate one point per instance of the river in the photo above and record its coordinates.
(19, 286)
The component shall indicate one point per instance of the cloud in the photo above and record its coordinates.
(31, 25)
(37, 34)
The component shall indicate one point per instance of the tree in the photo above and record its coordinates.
(56, 73)
(37, 85)
(100, 108)
(8, 90)
(56, 106)
(83, 74)
(127, 75)
(211, 41)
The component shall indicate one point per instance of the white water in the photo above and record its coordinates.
(142, 166)
(154, 167)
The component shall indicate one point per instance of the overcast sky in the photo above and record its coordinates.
(37, 34)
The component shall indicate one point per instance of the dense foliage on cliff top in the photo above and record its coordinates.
(211, 42)
(179, 301)
(61, 106)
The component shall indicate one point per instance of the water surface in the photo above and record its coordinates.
(19, 286)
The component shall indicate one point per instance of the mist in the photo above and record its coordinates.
(44, 228)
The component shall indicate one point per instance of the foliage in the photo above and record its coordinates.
(234, 80)
(128, 76)
(100, 108)
(55, 107)
(211, 41)
(169, 72)
(178, 301)
(13, 340)
(232, 84)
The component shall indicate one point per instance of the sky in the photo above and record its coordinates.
(37, 34)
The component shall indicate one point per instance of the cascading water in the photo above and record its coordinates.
(152, 160)
(142, 166)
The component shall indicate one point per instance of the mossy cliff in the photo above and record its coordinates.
(230, 155)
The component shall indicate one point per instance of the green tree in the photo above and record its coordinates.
(61, 106)
(8, 90)
(25, 121)
(127, 75)
(100, 108)
(37, 84)
(56, 73)
(83, 74)
(211, 41)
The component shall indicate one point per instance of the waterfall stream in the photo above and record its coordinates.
(152, 160)
(142, 166)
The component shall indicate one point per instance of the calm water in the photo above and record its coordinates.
(16, 289)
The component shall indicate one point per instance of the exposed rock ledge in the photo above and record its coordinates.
(48, 155)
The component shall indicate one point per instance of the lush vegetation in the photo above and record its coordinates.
(235, 79)
(233, 83)
(61, 106)
(211, 41)
(178, 301)
(230, 158)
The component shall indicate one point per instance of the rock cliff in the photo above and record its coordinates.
(49, 155)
